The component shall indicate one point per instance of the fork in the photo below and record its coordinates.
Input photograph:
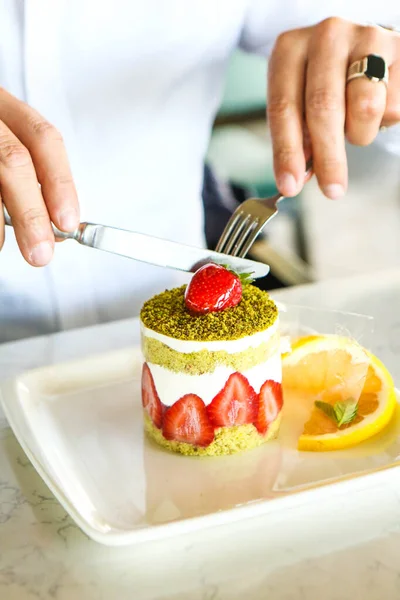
(247, 222)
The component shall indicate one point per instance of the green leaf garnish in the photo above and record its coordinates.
(245, 278)
(327, 409)
(345, 411)
(342, 413)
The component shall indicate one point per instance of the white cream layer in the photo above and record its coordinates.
(171, 386)
(230, 346)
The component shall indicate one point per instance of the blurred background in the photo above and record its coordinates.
(312, 238)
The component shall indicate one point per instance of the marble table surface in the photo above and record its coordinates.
(336, 550)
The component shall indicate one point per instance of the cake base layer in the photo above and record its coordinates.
(228, 440)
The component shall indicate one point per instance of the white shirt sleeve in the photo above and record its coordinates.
(266, 19)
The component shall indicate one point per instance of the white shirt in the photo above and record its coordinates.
(133, 86)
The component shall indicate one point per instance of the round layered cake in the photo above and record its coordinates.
(211, 383)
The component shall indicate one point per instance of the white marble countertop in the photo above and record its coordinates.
(334, 551)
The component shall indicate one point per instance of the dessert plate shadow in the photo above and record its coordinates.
(80, 424)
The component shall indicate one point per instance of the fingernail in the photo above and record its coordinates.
(68, 219)
(287, 184)
(334, 191)
(41, 254)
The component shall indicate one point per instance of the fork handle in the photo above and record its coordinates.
(309, 167)
(7, 218)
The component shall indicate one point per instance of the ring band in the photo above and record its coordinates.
(372, 67)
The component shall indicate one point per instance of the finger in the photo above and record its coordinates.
(366, 99)
(1, 224)
(391, 115)
(325, 104)
(22, 197)
(285, 110)
(49, 156)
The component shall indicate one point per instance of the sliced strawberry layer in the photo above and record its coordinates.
(187, 421)
(235, 404)
(270, 405)
(150, 400)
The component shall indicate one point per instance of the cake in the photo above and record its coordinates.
(211, 376)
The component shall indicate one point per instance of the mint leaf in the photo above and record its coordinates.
(327, 409)
(342, 413)
(345, 412)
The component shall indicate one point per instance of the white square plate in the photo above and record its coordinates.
(80, 424)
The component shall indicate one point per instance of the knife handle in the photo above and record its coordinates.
(84, 234)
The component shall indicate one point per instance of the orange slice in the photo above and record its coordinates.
(334, 369)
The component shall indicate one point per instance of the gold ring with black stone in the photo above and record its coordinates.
(372, 67)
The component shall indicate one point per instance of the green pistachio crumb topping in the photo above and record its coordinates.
(167, 314)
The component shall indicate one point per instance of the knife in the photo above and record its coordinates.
(155, 251)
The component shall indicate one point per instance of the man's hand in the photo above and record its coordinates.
(307, 92)
(32, 152)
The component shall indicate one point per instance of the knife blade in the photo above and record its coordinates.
(153, 250)
(161, 252)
